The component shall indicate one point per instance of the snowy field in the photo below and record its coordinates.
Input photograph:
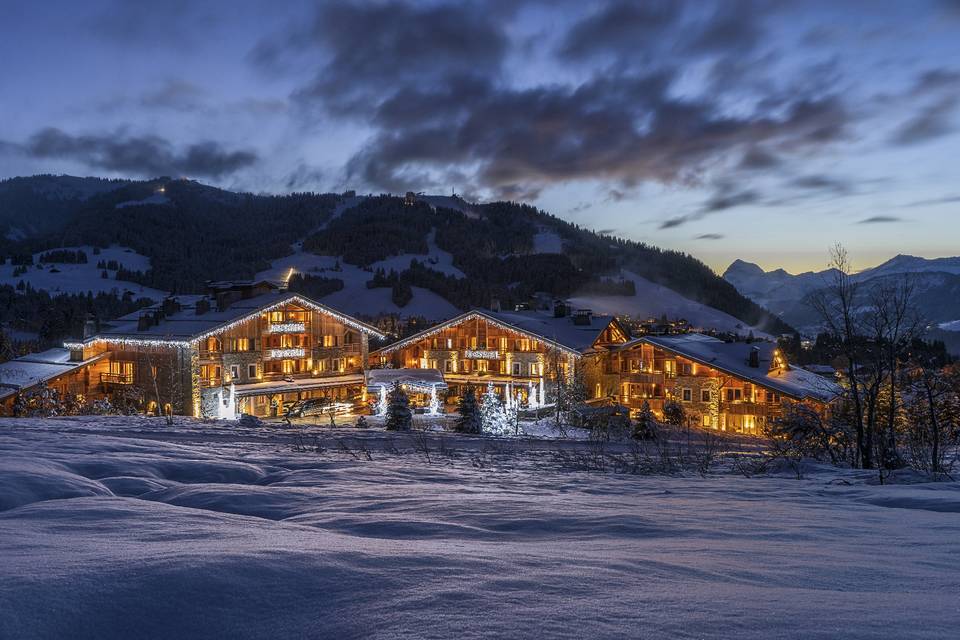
(58, 278)
(129, 528)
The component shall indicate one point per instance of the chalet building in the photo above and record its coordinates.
(520, 353)
(246, 347)
(728, 386)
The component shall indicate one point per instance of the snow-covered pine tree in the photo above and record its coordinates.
(399, 416)
(469, 419)
(493, 416)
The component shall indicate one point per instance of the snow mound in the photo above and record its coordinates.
(26, 482)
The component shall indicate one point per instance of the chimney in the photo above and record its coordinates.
(143, 322)
(754, 357)
(560, 309)
(203, 305)
(495, 304)
(583, 317)
(89, 327)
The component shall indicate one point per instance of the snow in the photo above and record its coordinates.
(355, 298)
(128, 527)
(81, 278)
(156, 198)
(436, 259)
(653, 300)
(953, 325)
(545, 241)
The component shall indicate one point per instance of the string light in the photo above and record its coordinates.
(170, 342)
(473, 315)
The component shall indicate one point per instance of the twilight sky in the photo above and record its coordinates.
(761, 130)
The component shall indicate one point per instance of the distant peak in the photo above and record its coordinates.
(742, 267)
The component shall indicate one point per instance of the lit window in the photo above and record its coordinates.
(234, 371)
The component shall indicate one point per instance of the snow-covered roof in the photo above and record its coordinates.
(36, 368)
(424, 378)
(186, 325)
(734, 358)
(562, 332)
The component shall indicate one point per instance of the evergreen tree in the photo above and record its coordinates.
(645, 427)
(674, 414)
(577, 390)
(493, 415)
(469, 419)
(399, 416)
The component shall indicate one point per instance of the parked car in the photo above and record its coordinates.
(310, 407)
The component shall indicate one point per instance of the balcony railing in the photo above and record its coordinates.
(116, 378)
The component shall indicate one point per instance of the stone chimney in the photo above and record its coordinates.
(89, 327)
(754, 360)
(495, 304)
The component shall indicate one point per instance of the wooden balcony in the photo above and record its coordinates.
(116, 378)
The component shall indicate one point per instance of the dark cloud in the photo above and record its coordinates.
(757, 158)
(366, 52)
(710, 236)
(933, 121)
(727, 196)
(880, 219)
(606, 232)
(620, 27)
(138, 155)
(935, 80)
(819, 182)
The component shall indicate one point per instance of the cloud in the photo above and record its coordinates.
(934, 201)
(932, 122)
(618, 27)
(138, 155)
(710, 236)
(726, 196)
(757, 158)
(179, 95)
(880, 219)
(819, 182)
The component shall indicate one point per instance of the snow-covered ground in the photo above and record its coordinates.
(355, 298)
(653, 300)
(81, 278)
(546, 241)
(127, 527)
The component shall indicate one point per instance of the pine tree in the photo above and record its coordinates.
(493, 416)
(399, 416)
(646, 425)
(674, 413)
(469, 419)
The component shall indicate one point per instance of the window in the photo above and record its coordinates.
(706, 421)
(251, 371)
(704, 395)
(773, 397)
(534, 369)
(670, 368)
(234, 372)
(329, 341)
(482, 366)
(449, 343)
(289, 366)
(448, 366)
(686, 369)
(734, 395)
(276, 316)
(686, 395)
(516, 368)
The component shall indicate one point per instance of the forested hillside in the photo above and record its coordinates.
(193, 233)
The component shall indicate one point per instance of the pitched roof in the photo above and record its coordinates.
(36, 368)
(734, 358)
(185, 325)
(562, 333)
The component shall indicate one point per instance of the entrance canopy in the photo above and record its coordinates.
(417, 379)
(298, 384)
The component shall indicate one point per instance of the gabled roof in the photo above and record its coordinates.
(561, 333)
(36, 368)
(185, 326)
(734, 358)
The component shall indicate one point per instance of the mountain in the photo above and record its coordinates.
(936, 282)
(427, 256)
